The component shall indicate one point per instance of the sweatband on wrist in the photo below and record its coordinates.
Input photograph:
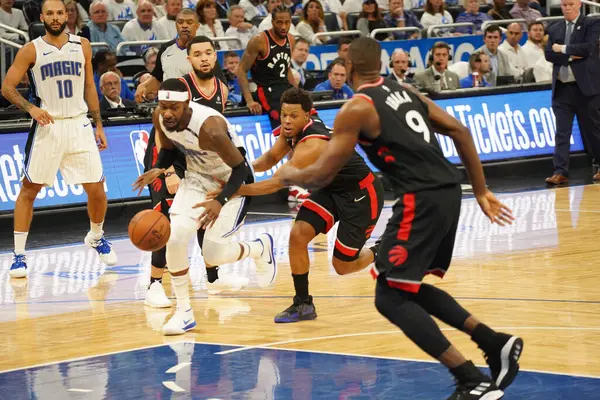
(238, 174)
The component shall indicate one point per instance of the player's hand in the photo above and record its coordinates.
(254, 108)
(496, 211)
(141, 93)
(41, 116)
(101, 138)
(212, 208)
(172, 182)
(143, 180)
(557, 48)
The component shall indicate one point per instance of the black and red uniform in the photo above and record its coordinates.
(419, 237)
(354, 198)
(215, 100)
(270, 73)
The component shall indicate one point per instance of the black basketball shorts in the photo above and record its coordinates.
(269, 98)
(356, 210)
(419, 237)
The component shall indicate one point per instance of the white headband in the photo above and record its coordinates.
(169, 95)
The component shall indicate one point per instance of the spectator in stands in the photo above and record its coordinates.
(238, 28)
(498, 60)
(167, 23)
(499, 11)
(191, 4)
(331, 6)
(436, 14)
(534, 49)
(511, 47)
(400, 63)
(120, 9)
(535, 4)
(542, 69)
(267, 22)
(14, 18)
(336, 81)
(105, 61)
(398, 17)
(479, 64)
(222, 8)
(342, 47)
(299, 56)
(253, 8)
(158, 6)
(371, 19)
(100, 31)
(110, 86)
(143, 28)
(437, 77)
(149, 57)
(75, 24)
(521, 9)
(472, 14)
(210, 26)
(231, 61)
(313, 21)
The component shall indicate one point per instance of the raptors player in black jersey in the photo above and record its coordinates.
(395, 126)
(354, 198)
(267, 58)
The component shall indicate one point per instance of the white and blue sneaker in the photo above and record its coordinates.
(103, 248)
(266, 266)
(180, 323)
(18, 269)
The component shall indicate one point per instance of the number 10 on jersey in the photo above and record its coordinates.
(65, 89)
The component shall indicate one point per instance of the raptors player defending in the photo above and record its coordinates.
(59, 66)
(395, 126)
(209, 144)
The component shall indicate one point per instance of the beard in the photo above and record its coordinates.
(204, 75)
(55, 32)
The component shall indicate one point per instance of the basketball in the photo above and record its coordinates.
(149, 230)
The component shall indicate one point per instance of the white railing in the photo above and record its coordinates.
(449, 26)
(227, 39)
(502, 22)
(335, 34)
(137, 43)
(550, 19)
(15, 30)
(100, 44)
(374, 32)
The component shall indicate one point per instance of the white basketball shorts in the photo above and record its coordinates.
(67, 145)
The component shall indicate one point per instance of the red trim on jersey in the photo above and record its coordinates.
(325, 137)
(406, 286)
(408, 215)
(158, 206)
(313, 111)
(374, 272)
(321, 211)
(277, 131)
(365, 97)
(367, 183)
(437, 272)
(308, 125)
(345, 250)
(369, 85)
(268, 48)
(263, 99)
(182, 79)
(216, 84)
(270, 33)
(222, 85)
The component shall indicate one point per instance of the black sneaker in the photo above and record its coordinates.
(299, 311)
(504, 361)
(477, 391)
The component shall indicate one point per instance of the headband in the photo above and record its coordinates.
(170, 95)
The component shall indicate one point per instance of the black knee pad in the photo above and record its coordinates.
(159, 258)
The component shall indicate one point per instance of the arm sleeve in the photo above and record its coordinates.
(238, 174)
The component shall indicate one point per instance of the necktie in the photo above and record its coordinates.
(564, 70)
(302, 78)
(443, 82)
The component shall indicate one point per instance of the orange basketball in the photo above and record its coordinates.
(149, 230)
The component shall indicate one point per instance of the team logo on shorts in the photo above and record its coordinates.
(398, 255)
(139, 144)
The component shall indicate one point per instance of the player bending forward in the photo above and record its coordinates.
(395, 126)
(354, 198)
(209, 144)
(59, 66)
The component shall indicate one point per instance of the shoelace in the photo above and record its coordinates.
(19, 259)
(102, 246)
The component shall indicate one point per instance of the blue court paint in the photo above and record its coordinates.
(261, 374)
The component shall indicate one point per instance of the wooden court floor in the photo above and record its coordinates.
(538, 278)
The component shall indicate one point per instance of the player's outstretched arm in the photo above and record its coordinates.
(275, 154)
(91, 95)
(24, 59)
(250, 55)
(348, 123)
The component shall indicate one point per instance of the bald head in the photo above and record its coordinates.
(514, 33)
(364, 54)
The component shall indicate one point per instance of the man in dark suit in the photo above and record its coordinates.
(400, 66)
(573, 50)
(110, 87)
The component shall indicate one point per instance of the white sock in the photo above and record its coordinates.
(182, 291)
(96, 229)
(255, 248)
(20, 240)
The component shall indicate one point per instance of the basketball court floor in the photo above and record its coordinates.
(78, 330)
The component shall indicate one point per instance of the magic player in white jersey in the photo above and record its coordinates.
(209, 144)
(61, 136)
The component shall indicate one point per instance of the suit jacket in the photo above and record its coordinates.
(504, 67)
(407, 80)
(426, 80)
(105, 106)
(584, 44)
